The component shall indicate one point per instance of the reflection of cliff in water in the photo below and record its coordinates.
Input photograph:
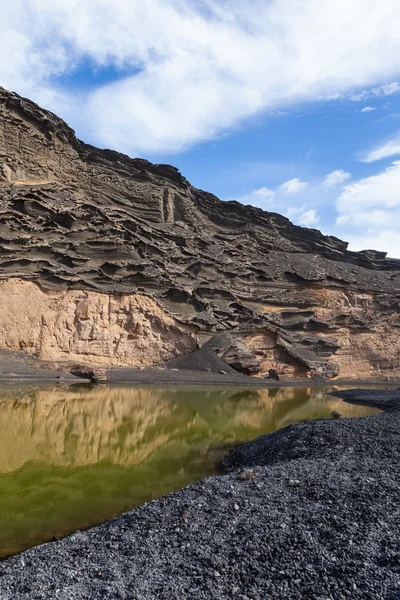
(71, 457)
(71, 426)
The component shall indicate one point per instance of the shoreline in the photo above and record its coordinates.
(310, 511)
(17, 367)
(185, 383)
(171, 377)
(150, 381)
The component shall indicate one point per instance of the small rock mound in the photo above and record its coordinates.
(95, 374)
(201, 360)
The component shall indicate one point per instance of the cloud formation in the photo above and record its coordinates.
(293, 186)
(294, 199)
(336, 177)
(389, 148)
(369, 211)
(389, 89)
(185, 71)
(303, 216)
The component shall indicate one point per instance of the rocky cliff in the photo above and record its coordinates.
(113, 260)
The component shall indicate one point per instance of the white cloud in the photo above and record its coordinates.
(369, 212)
(261, 197)
(389, 148)
(303, 216)
(264, 193)
(335, 178)
(385, 240)
(191, 70)
(381, 191)
(389, 89)
(293, 186)
(367, 109)
(295, 199)
(367, 209)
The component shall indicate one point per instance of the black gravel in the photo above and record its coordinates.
(383, 399)
(319, 520)
(375, 437)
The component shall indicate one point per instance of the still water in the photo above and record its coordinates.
(75, 456)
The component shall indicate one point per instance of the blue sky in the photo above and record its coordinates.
(306, 141)
(292, 106)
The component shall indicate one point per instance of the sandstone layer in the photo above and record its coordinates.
(102, 328)
(129, 264)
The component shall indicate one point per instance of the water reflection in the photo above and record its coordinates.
(74, 456)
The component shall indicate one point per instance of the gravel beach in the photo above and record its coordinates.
(311, 511)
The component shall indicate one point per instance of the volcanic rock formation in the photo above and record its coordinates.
(113, 260)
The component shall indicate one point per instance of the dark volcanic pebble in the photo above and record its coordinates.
(329, 438)
(321, 527)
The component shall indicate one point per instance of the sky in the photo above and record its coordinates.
(289, 105)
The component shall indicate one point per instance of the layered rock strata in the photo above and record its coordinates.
(78, 222)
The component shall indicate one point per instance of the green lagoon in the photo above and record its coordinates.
(72, 457)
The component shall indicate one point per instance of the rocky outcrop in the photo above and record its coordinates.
(203, 359)
(234, 352)
(78, 220)
(88, 326)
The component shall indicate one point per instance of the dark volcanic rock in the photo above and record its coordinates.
(314, 363)
(383, 399)
(325, 438)
(73, 217)
(234, 352)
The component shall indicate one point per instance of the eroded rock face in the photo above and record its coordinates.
(88, 326)
(78, 220)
